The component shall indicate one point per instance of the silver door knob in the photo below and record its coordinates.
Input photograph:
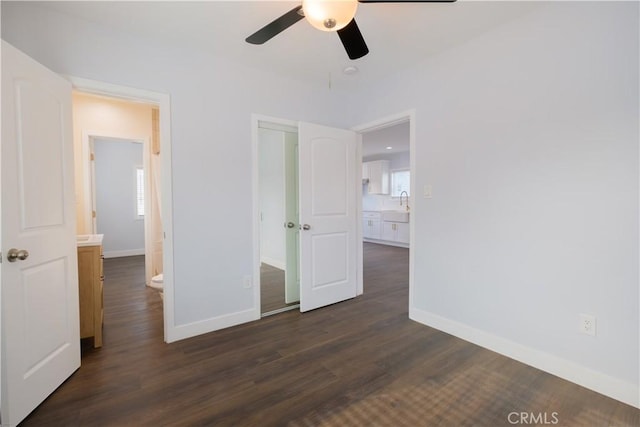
(306, 227)
(289, 224)
(14, 255)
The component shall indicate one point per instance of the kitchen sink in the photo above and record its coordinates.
(395, 216)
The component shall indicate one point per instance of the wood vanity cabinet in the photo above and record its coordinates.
(91, 281)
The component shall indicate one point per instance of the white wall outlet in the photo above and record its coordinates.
(588, 324)
(428, 191)
(247, 282)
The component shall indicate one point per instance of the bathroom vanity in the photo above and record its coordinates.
(91, 281)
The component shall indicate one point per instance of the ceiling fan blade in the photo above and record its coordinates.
(276, 27)
(406, 1)
(352, 40)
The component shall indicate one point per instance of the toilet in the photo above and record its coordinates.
(157, 282)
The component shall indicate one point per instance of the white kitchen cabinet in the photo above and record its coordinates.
(371, 225)
(395, 231)
(402, 232)
(378, 174)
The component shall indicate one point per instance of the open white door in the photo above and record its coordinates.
(328, 240)
(40, 326)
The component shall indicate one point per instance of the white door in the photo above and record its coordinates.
(40, 324)
(328, 243)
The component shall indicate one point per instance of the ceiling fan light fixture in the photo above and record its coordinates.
(329, 15)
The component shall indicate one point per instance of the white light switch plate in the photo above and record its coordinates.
(428, 191)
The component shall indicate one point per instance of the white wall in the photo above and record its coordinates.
(529, 136)
(212, 100)
(272, 197)
(115, 166)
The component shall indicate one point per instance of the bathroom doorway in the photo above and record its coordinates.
(279, 231)
(118, 176)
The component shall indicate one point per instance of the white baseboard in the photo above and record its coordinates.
(189, 330)
(609, 386)
(387, 242)
(274, 262)
(127, 252)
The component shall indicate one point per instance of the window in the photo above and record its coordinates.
(140, 191)
(400, 181)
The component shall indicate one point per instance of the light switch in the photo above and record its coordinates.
(428, 191)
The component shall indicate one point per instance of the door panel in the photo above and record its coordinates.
(40, 324)
(328, 215)
(329, 253)
(41, 202)
(329, 169)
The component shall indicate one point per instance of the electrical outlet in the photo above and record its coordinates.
(247, 282)
(588, 324)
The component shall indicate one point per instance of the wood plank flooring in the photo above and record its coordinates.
(272, 289)
(358, 363)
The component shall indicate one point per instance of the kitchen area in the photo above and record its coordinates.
(386, 186)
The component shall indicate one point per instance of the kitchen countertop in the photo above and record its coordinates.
(89, 239)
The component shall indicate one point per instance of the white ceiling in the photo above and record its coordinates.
(376, 142)
(398, 35)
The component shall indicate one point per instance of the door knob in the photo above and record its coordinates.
(14, 255)
(306, 227)
(289, 224)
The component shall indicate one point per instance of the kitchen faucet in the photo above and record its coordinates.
(406, 194)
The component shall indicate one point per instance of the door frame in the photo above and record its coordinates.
(381, 123)
(255, 190)
(163, 101)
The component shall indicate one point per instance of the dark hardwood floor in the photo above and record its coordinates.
(272, 289)
(358, 363)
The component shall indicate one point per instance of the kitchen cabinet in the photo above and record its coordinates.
(378, 174)
(395, 231)
(91, 281)
(371, 225)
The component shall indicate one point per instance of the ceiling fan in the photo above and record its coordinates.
(328, 15)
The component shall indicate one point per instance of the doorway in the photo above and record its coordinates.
(118, 196)
(327, 220)
(101, 114)
(388, 172)
(279, 231)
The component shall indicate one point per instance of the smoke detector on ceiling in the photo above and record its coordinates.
(350, 70)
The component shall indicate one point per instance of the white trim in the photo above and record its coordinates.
(163, 101)
(385, 122)
(387, 243)
(277, 263)
(263, 124)
(359, 231)
(123, 253)
(200, 327)
(615, 388)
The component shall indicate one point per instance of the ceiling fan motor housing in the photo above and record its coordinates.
(329, 15)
